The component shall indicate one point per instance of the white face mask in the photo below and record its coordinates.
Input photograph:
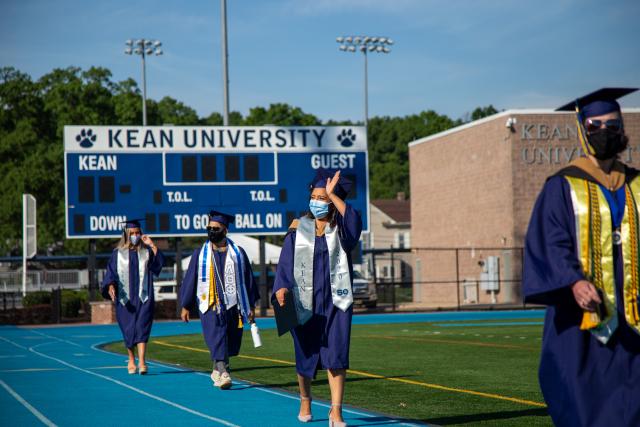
(134, 239)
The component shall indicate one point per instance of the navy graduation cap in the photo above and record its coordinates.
(602, 101)
(320, 181)
(132, 223)
(220, 217)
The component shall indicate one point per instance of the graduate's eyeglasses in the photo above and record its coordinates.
(209, 228)
(611, 124)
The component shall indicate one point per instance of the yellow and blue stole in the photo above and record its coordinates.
(595, 240)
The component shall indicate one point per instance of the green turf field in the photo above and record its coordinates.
(467, 375)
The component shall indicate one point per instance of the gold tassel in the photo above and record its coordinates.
(240, 324)
(589, 320)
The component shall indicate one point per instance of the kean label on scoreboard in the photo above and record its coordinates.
(173, 175)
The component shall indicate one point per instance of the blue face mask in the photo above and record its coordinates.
(134, 239)
(318, 208)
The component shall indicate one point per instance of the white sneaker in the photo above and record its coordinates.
(225, 381)
(215, 377)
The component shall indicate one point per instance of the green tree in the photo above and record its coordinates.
(482, 112)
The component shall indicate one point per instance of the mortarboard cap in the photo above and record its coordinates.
(220, 217)
(132, 223)
(320, 181)
(602, 101)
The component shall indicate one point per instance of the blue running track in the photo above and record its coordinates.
(59, 376)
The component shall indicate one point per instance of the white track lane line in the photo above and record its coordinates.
(288, 396)
(54, 338)
(46, 421)
(120, 383)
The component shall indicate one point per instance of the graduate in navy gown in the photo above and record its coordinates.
(581, 260)
(315, 265)
(129, 283)
(219, 281)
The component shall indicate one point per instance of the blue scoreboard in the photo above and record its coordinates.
(172, 176)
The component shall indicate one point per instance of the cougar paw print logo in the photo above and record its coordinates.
(86, 138)
(346, 137)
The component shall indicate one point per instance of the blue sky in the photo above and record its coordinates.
(450, 56)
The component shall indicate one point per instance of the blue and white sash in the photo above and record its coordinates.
(234, 289)
(123, 275)
(341, 294)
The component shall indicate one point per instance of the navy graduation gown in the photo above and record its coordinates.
(220, 330)
(322, 342)
(135, 317)
(584, 382)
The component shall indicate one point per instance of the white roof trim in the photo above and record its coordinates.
(497, 116)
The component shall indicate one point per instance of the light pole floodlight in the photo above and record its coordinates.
(367, 45)
(143, 47)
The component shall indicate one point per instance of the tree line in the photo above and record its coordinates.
(33, 114)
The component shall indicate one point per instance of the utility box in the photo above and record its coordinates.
(490, 275)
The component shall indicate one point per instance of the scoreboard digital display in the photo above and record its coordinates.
(172, 176)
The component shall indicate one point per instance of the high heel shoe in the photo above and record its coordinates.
(131, 369)
(333, 423)
(305, 418)
(142, 369)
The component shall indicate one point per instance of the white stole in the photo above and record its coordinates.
(123, 275)
(233, 287)
(341, 294)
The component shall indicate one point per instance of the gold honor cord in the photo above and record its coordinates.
(595, 257)
(631, 254)
(213, 286)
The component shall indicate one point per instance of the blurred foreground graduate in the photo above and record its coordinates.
(220, 281)
(582, 261)
(129, 283)
(315, 265)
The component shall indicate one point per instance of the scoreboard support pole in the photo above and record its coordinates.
(93, 282)
(264, 291)
(178, 248)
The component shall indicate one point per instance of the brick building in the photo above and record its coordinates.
(390, 227)
(473, 188)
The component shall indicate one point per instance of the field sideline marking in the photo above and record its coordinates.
(444, 341)
(381, 377)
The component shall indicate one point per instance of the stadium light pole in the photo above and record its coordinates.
(143, 47)
(225, 64)
(365, 44)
